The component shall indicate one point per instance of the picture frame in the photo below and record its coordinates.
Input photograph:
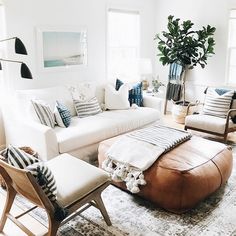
(61, 48)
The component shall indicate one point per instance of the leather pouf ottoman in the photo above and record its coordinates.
(183, 177)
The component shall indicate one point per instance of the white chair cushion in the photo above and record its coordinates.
(93, 129)
(75, 178)
(208, 123)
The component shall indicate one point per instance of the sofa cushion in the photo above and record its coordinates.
(93, 129)
(206, 122)
(48, 95)
(81, 179)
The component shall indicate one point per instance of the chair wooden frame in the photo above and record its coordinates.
(22, 182)
(227, 129)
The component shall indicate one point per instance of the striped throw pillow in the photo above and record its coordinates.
(217, 105)
(18, 158)
(87, 108)
(44, 113)
(62, 115)
(45, 179)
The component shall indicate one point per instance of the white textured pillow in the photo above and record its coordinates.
(117, 100)
(217, 105)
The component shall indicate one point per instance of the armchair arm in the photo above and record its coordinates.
(192, 105)
(39, 137)
(152, 102)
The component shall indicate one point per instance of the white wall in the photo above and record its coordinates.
(201, 12)
(24, 16)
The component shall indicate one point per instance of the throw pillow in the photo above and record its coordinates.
(62, 115)
(217, 105)
(44, 113)
(18, 158)
(115, 100)
(45, 179)
(135, 93)
(87, 108)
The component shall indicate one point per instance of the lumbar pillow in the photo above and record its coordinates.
(216, 104)
(135, 93)
(62, 115)
(18, 158)
(87, 108)
(115, 100)
(44, 113)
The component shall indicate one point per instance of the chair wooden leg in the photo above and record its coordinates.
(225, 137)
(102, 209)
(9, 201)
(53, 226)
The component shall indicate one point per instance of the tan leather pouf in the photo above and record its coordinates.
(183, 177)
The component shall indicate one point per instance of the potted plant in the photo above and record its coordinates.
(186, 46)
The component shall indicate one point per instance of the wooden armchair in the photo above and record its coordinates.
(79, 186)
(211, 124)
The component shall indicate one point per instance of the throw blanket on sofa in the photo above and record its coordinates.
(135, 152)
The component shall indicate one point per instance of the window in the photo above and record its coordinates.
(123, 44)
(232, 48)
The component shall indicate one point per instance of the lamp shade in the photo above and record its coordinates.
(145, 66)
(25, 72)
(20, 47)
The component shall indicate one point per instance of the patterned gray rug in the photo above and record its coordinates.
(131, 215)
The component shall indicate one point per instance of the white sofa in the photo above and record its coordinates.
(82, 137)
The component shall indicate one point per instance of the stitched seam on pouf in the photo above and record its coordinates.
(221, 177)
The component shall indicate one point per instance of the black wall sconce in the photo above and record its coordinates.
(19, 49)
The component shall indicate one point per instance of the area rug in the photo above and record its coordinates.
(131, 215)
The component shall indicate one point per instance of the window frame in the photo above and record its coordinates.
(121, 9)
(229, 50)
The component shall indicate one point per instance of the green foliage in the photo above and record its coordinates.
(184, 45)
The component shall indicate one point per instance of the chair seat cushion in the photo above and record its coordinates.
(209, 123)
(75, 178)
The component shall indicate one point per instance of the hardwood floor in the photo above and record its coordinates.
(11, 229)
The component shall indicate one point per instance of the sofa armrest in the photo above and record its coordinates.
(153, 102)
(39, 137)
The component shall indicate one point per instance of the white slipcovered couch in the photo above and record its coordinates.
(81, 138)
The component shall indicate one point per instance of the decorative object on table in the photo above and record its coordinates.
(185, 46)
(19, 49)
(156, 85)
(72, 41)
(145, 69)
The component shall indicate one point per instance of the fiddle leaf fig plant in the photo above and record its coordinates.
(184, 45)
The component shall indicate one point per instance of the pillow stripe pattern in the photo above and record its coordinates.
(19, 158)
(87, 108)
(44, 113)
(217, 105)
(45, 179)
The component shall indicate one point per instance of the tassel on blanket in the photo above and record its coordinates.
(123, 172)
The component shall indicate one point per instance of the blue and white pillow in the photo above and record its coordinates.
(62, 115)
(135, 94)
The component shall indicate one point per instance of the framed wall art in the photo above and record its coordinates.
(61, 48)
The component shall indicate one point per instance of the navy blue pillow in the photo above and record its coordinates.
(135, 94)
(62, 115)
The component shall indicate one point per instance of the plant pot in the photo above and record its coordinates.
(179, 111)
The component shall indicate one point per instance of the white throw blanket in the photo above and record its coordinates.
(134, 153)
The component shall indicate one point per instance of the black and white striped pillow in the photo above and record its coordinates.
(44, 113)
(87, 108)
(217, 105)
(18, 158)
(45, 179)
